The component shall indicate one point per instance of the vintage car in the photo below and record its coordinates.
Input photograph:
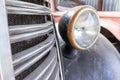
(32, 47)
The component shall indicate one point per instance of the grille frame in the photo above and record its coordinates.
(5, 56)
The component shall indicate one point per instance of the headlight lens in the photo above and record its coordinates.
(86, 28)
(80, 27)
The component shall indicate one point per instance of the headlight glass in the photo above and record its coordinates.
(86, 28)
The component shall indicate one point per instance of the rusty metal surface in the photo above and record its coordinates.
(99, 6)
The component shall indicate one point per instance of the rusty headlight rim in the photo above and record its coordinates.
(73, 20)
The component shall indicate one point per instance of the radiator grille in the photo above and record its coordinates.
(32, 39)
(15, 19)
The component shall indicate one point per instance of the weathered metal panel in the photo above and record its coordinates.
(91, 2)
(108, 5)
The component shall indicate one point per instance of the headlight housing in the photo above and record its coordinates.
(80, 27)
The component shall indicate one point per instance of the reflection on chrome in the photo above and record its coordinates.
(86, 28)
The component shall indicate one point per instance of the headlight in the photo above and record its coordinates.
(80, 27)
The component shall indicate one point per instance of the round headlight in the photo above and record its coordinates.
(80, 27)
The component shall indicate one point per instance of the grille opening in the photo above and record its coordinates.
(31, 69)
(49, 18)
(23, 45)
(40, 2)
(47, 4)
(14, 19)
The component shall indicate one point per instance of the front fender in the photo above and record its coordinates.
(100, 62)
(111, 26)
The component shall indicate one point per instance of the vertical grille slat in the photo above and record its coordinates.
(6, 68)
(39, 72)
(28, 53)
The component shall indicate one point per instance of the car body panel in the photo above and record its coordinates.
(111, 22)
(100, 62)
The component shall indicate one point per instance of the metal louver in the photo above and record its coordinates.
(33, 44)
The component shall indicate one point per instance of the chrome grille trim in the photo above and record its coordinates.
(26, 36)
(5, 53)
(26, 11)
(26, 54)
(21, 7)
(39, 72)
(17, 29)
(49, 71)
(24, 4)
(57, 77)
(30, 62)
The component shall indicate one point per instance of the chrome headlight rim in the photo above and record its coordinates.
(73, 20)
